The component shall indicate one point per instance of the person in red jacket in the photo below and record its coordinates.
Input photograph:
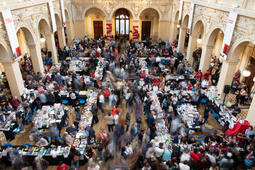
(189, 85)
(207, 75)
(15, 102)
(199, 75)
(115, 110)
(62, 166)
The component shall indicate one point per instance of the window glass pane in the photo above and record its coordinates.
(117, 26)
(127, 26)
(122, 29)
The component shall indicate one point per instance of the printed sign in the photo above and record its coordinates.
(180, 14)
(9, 25)
(135, 32)
(53, 19)
(109, 31)
(228, 34)
(63, 12)
(191, 11)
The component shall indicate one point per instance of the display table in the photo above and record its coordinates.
(52, 155)
(189, 114)
(162, 131)
(49, 115)
(222, 114)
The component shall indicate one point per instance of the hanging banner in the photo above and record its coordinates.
(191, 11)
(180, 14)
(109, 31)
(9, 25)
(53, 19)
(63, 12)
(228, 33)
(135, 32)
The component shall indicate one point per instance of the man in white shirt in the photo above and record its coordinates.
(101, 102)
(159, 151)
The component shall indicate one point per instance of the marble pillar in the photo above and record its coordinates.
(226, 75)
(181, 41)
(50, 41)
(251, 113)
(191, 48)
(14, 78)
(36, 57)
(205, 58)
(61, 37)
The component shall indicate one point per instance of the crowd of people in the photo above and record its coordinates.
(132, 73)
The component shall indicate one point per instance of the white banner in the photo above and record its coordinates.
(228, 33)
(63, 12)
(191, 11)
(53, 19)
(9, 25)
(180, 14)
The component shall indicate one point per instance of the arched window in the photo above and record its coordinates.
(122, 21)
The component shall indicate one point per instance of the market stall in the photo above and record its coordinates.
(49, 115)
(222, 114)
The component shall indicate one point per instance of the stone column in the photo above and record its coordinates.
(36, 57)
(251, 113)
(61, 37)
(173, 31)
(181, 40)
(50, 41)
(226, 75)
(14, 78)
(205, 58)
(191, 48)
(69, 32)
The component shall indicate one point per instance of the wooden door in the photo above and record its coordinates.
(146, 29)
(98, 29)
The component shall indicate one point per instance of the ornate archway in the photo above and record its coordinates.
(183, 36)
(211, 47)
(149, 24)
(95, 23)
(47, 40)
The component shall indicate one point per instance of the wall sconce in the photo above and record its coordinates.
(199, 40)
(42, 39)
(247, 70)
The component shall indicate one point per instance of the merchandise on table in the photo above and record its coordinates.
(99, 69)
(162, 131)
(6, 120)
(225, 114)
(189, 115)
(38, 151)
(49, 115)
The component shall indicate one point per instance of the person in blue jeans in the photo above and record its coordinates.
(74, 156)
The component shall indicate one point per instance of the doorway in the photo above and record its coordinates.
(146, 29)
(98, 29)
(122, 23)
(249, 80)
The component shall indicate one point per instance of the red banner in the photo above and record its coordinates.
(109, 31)
(135, 32)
